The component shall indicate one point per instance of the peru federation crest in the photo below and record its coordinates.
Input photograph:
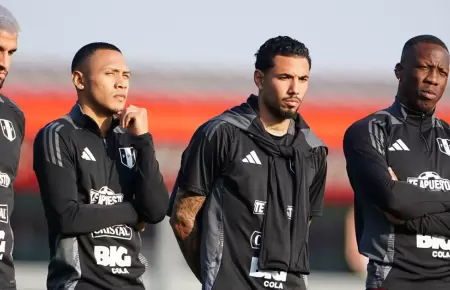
(8, 129)
(128, 156)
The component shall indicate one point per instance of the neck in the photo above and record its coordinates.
(411, 109)
(103, 122)
(273, 125)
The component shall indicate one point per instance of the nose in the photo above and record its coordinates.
(294, 88)
(432, 77)
(121, 83)
(4, 60)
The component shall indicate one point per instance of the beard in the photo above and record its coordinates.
(278, 112)
(3, 81)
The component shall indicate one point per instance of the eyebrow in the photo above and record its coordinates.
(117, 70)
(291, 76)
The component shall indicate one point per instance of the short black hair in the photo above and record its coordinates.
(425, 38)
(88, 50)
(280, 45)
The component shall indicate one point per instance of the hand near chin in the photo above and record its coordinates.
(134, 119)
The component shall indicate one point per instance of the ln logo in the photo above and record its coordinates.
(8, 129)
(128, 156)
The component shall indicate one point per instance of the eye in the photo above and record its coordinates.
(108, 73)
(304, 79)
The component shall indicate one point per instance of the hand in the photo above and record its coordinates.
(134, 119)
(393, 176)
(393, 219)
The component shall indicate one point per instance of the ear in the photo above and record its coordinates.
(258, 77)
(398, 71)
(78, 80)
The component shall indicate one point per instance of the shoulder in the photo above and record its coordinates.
(61, 128)
(13, 106)
(381, 119)
(215, 129)
(441, 123)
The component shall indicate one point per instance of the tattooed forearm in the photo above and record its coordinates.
(183, 222)
(186, 209)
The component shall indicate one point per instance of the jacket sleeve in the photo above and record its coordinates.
(151, 195)
(437, 224)
(367, 169)
(54, 165)
(203, 161)
(317, 188)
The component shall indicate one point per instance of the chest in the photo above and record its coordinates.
(421, 158)
(10, 140)
(249, 173)
(105, 167)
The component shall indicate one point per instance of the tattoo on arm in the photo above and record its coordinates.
(183, 222)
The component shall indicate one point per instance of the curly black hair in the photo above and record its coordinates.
(280, 45)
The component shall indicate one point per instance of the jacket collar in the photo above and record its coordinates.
(400, 111)
(84, 121)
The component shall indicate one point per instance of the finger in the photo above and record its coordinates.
(129, 118)
(124, 119)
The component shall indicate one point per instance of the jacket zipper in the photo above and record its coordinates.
(421, 135)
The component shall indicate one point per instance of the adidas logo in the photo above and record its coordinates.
(252, 158)
(398, 145)
(87, 155)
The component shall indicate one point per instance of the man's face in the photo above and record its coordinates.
(107, 80)
(8, 46)
(423, 76)
(283, 87)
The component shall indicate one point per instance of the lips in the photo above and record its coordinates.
(292, 102)
(120, 97)
(429, 94)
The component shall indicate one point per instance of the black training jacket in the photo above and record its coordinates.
(12, 124)
(415, 255)
(225, 164)
(94, 191)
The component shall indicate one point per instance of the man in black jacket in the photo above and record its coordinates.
(398, 163)
(99, 179)
(12, 124)
(251, 180)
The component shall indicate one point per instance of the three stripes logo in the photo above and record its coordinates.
(252, 158)
(398, 145)
(87, 155)
(8, 129)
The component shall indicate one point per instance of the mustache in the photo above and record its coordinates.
(291, 98)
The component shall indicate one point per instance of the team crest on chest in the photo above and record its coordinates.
(444, 145)
(8, 129)
(128, 156)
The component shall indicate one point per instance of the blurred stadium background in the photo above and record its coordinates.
(191, 61)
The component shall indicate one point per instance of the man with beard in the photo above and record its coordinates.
(398, 163)
(99, 178)
(12, 123)
(250, 181)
